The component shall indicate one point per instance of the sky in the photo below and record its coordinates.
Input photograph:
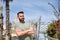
(32, 9)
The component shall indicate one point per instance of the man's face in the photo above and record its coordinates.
(21, 17)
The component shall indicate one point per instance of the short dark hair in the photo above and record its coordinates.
(21, 12)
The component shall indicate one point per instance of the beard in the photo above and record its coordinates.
(22, 20)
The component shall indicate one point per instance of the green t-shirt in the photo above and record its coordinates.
(23, 26)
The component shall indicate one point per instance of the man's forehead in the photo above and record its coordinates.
(21, 14)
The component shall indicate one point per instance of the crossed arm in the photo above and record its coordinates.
(29, 31)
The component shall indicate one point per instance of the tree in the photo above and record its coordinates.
(7, 19)
(57, 28)
(54, 29)
(51, 30)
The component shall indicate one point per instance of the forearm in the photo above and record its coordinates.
(30, 33)
(22, 33)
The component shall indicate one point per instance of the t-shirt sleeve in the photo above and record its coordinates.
(14, 25)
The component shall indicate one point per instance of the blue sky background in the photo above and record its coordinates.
(33, 9)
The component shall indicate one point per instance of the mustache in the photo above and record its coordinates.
(23, 18)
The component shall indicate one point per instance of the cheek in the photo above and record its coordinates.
(19, 17)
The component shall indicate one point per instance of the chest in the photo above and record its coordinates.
(24, 26)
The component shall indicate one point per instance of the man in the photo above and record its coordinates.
(23, 30)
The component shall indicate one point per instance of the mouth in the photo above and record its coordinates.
(23, 18)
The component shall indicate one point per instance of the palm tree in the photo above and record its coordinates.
(56, 12)
(7, 19)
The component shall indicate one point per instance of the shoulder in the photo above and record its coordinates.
(16, 20)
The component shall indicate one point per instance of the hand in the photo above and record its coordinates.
(30, 31)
